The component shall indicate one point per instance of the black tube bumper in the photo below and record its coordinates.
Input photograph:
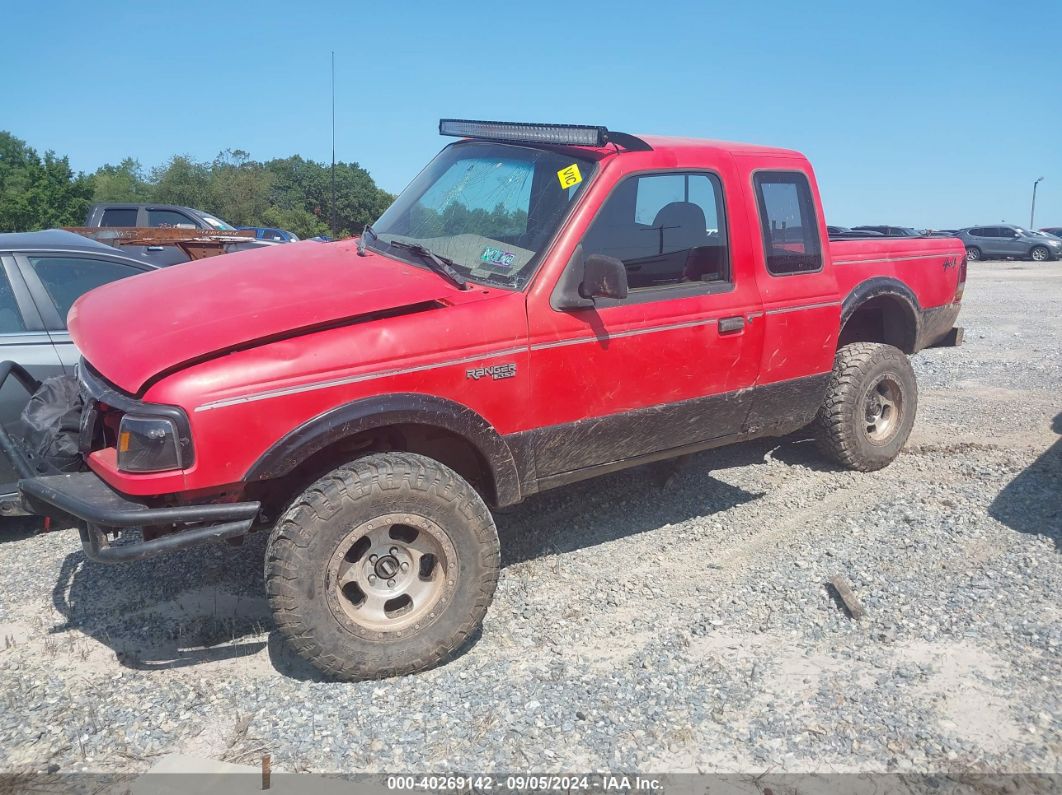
(98, 509)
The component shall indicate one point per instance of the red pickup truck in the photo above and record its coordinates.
(543, 304)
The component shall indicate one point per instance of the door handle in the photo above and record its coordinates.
(731, 325)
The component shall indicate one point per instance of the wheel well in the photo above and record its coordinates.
(444, 446)
(884, 318)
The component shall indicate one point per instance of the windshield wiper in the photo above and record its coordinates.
(361, 240)
(443, 266)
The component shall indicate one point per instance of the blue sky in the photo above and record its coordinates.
(923, 113)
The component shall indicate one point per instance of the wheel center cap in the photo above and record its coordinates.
(386, 567)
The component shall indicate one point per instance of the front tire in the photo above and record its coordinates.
(1040, 254)
(869, 408)
(383, 567)
(973, 254)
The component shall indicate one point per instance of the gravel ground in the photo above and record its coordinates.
(655, 620)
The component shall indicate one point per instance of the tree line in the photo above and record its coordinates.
(40, 192)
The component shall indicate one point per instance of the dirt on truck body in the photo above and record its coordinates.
(543, 304)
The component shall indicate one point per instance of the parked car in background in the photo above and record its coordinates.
(271, 233)
(942, 232)
(1007, 241)
(172, 216)
(144, 215)
(891, 231)
(844, 233)
(1053, 230)
(42, 274)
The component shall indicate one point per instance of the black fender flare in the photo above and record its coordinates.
(367, 414)
(878, 287)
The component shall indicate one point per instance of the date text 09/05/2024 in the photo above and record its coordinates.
(523, 783)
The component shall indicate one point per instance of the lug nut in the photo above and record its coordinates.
(394, 550)
(390, 583)
(372, 558)
(372, 579)
(405, 566)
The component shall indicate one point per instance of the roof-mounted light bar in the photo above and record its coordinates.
(525, 133)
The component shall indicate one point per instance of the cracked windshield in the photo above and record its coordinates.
(488, 209)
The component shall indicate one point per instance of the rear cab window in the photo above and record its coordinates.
(788, 223)
(119, 216)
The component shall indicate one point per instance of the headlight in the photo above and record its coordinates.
(147, 444)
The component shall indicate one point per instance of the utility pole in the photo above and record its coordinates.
(1032, 212)
(333, 144)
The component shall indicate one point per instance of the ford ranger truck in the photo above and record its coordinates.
(543, 304)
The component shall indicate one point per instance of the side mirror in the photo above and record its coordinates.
(587, 277)
(603, 276)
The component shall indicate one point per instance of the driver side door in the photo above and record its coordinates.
(667, 367)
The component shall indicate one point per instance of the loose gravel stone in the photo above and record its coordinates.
(637, 626)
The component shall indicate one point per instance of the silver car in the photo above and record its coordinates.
(41, 275)
(1004, 240)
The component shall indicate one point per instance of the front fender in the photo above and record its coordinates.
(379, 412)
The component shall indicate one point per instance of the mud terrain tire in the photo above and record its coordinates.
(329, 587)
(869, 408)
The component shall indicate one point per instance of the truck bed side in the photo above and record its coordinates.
(929, 271)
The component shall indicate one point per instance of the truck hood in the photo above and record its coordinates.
(135, 329)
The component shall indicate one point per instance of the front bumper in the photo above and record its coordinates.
(98, 509)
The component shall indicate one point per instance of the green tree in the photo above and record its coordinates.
(291, 193)
(38, 192)
(239, 188)
(300, 184)
(124, 182)
(181, 181)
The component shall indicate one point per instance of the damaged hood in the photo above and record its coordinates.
(134, 329)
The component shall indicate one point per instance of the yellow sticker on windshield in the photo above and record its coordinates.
(570, 176)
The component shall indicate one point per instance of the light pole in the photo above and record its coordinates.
(333, 149)
(1032, 212)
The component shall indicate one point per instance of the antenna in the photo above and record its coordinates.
(333, 144)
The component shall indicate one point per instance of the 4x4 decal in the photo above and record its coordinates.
(495, 371)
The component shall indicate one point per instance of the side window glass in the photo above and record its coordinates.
(68, 278)
(787, 216)
(119, 216)
(666, 228)
(170, 218)
(10, 317)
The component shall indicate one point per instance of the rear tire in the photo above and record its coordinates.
(869, 408)
(973, 254)
(383, 567)
(1040, 254)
